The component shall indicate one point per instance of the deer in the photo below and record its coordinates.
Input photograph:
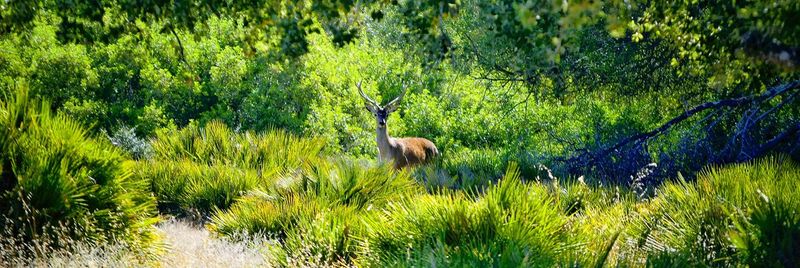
(403, 152)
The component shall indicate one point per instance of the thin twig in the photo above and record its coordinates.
(180, 48)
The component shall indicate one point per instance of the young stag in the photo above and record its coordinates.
(404, 152)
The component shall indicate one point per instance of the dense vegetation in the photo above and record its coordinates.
(58, 181)
(619, 133)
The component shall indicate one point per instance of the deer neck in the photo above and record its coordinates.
(385, 143)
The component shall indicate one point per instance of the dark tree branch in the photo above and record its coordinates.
(180, 48)
(777, 107)
(591, 157)
(770, 144)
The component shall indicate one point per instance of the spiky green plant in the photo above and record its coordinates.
(319, 211)
(599, 226)
(205, 168)
(188, 185)
(58, 182)
(474, 168)
(261, 212)
(513, 224)
(740, 214)
(215, 144)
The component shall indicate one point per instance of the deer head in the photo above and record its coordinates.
(381, 113)
(404, 152)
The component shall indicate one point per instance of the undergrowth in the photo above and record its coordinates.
(60, 184)
(205, 168)
(744, 214)
(320, 210)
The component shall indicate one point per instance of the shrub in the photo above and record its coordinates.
(318, 213)
(186, 185)
(216, 143)
(740, 214)
(59, 182)
(125, 138)
(474, 168)
(514, 224)
(207, 168)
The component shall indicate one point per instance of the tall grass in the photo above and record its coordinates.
(205, 168)
(744, 214)
(61, 184)
(319, 212)
(513, 224)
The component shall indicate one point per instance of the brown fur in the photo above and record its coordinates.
(409, 152)
(404, 152)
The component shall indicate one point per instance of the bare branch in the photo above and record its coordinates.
(792, 131)
(735, 102)
(180, 48)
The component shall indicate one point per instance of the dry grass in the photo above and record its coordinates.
(190, 246)
(58, 249)
(185, 245)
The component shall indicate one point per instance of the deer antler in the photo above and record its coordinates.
(393, 104)
(370, 101)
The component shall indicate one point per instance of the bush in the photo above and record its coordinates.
(125, 138)
(185, 185)
(513, 225)
(216, 143)
(320, 212)
(740, 214)
(58, 182)
(208, 168)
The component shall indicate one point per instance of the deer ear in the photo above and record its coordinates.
(370, 107)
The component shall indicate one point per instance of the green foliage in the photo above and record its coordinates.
(514, 224)
(57, 178)
(735, 41)
(320, 210)
(189, 185)
(732, 216)
(465, 169)
(742, 214)
(237, 109)
(203, 168)
(144, 80)
(215, 143)
(153, 79)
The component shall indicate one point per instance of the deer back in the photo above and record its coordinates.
(413, 151)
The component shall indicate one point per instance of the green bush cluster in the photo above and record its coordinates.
(59, 183)
(202, 168)
(320, 210)
(340, 213)
(512, 224)
(143, 80)
(185, 185)
(742, 214)
(147, 81)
